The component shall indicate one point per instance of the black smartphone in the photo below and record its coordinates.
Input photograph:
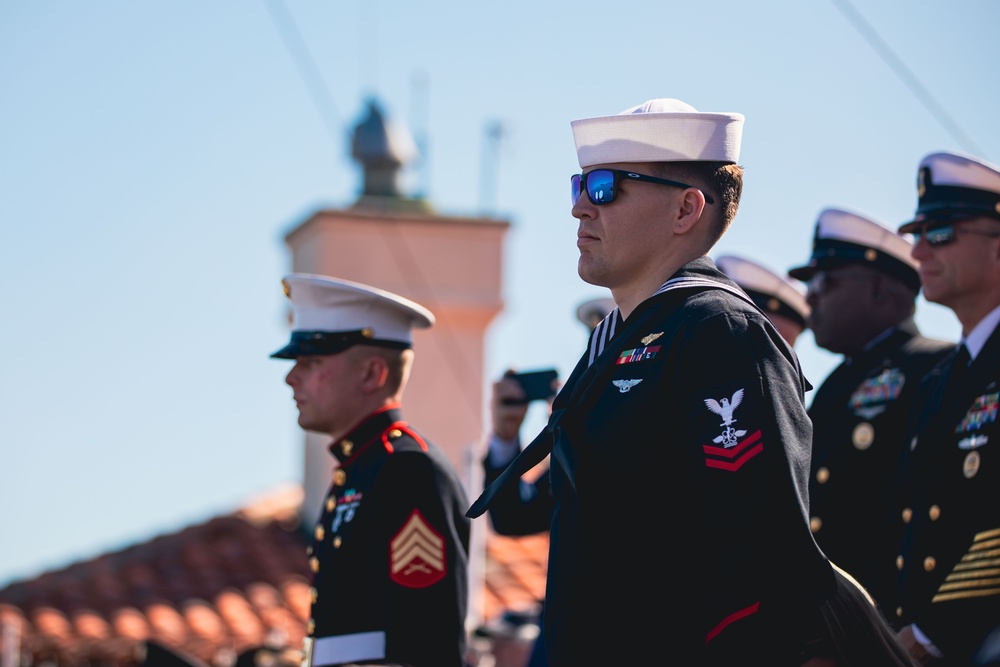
(537, 385)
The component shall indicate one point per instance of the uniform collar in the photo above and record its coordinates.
(367, 431)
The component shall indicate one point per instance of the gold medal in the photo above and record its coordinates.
(864, 435)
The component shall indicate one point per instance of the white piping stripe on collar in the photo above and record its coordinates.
(605, 331)
(360, 646)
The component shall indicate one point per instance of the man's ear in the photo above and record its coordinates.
(375, 372)
(690, 208)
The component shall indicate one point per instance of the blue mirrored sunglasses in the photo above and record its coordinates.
(601, 185)
(943, 235)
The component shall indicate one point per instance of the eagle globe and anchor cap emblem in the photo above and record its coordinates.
(725, 408)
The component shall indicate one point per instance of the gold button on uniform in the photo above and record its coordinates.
(311, 627)
(336, 542)
(319, 533)
(313, 595)
(822, 475)
(314, 564)
(339, 477)
(930, 563)
(934, 512)
(899, 563)
(815, 524)
(899, 612)
(863, 436)
(907, 515)
(970, 466)
(395, 433)
(347, 447)
(331, 502)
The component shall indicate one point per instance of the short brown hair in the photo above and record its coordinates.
(722, 181)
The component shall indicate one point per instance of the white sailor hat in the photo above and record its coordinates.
(843, 237)
(330, 315)
(773, 293)
(660, 130)
(951, 186)
(591, 312)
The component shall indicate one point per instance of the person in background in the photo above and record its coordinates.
(680, 441)
(782, 298)
(947, 497)
(524, 508)
(862, 288)
(390, 552)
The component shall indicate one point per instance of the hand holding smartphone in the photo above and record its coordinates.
(537, 385)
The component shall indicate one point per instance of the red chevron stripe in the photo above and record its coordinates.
(735, 616)
(738, 463)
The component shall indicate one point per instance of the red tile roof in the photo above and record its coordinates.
(210, 591)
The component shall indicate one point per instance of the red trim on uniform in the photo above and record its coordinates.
(735, 616)
(358, 450)
(733, 451)
(402, 426)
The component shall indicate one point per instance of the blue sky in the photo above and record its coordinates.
(153, 155)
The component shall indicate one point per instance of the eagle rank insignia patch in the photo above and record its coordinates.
(736, 449)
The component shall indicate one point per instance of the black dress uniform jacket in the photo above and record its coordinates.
(390, 552)
(948, 507)
(860, 418)
(679, 471)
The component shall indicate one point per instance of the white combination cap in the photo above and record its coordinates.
(951, 186)
(773, 293)
(593, 311)
(842, 237)
(660, 130)
(330, 315)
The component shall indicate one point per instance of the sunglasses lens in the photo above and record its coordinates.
(940, 236)
(601, 186)
(574, 188)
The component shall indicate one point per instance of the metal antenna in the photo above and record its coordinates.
(420, 81)
(492, 135)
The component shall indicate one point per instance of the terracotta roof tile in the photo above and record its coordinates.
(210, 591)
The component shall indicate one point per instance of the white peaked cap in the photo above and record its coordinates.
(330, 314)
(591, 312)
(843, 237)
(952, 186)
(659, 130)
(774, 293)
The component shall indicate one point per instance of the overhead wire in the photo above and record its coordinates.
(900, 69)
(284, 22)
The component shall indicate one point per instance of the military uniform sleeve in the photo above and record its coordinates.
(748, 440)
(521, 508)
(426, 535)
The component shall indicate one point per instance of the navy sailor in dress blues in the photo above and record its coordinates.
(680, 442)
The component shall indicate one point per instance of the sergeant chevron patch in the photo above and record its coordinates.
(416, 554)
